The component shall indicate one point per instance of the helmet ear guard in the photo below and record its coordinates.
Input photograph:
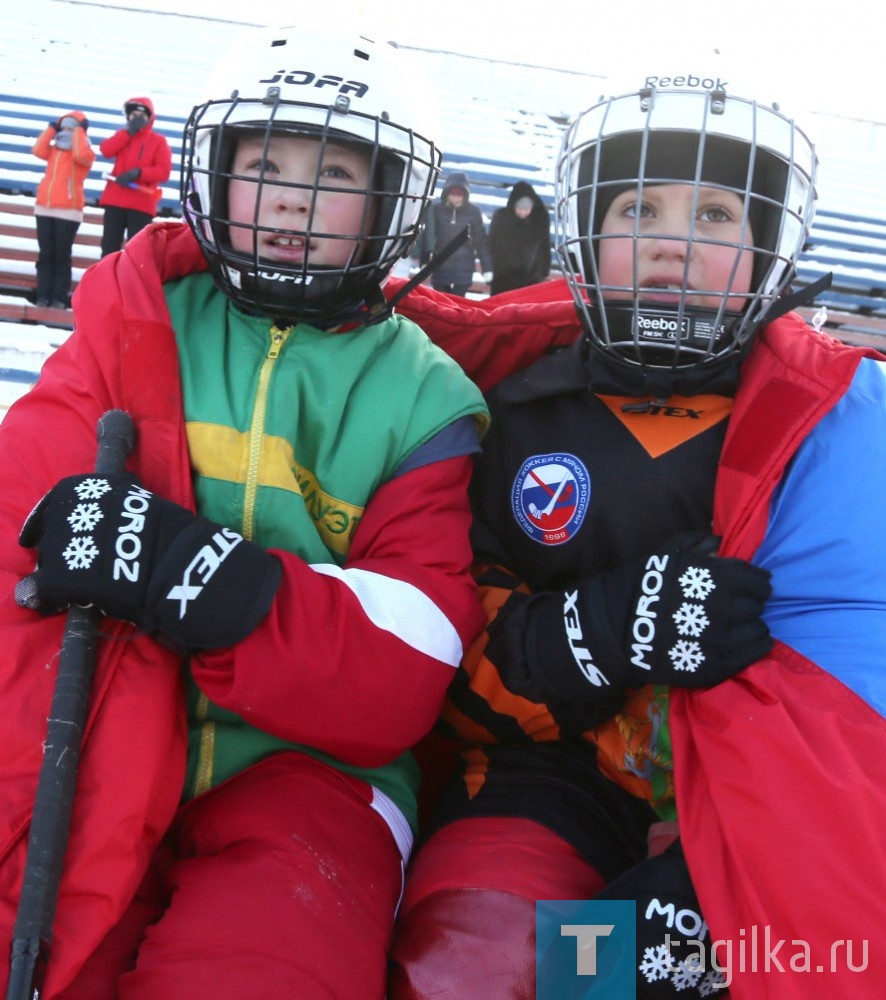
(343, 94)
(700, 137)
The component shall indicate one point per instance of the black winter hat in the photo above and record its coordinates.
(522, 189)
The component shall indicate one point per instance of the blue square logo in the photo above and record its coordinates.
(585, 948)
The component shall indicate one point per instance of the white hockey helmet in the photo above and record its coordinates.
(682, 129)
(339, 89)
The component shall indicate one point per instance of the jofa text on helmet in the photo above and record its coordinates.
(293, 279)
(691, 81)
(305, 78)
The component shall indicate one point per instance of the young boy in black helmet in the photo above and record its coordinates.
(287, 555)
(626, 485)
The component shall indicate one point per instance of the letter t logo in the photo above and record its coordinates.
(586, 944)
(602, 959)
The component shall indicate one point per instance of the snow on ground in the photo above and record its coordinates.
(23, 349)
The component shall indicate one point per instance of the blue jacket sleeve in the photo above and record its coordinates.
(826, 545)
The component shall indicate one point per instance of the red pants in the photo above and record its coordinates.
(283, 882)
(467, 926)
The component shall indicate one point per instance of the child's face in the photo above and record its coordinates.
(286, 211)
(666, 210)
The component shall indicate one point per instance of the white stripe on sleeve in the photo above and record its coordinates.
(402, 610)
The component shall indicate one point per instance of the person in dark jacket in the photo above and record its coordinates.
(447, 217)
(520, 240)
(142, 162)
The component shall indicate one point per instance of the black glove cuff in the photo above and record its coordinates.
(220, 595)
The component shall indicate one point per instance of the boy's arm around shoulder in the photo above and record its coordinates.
(494, 337)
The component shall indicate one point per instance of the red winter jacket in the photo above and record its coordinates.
(493, 337)
(780, 773)
(148, 150)
(123, 355)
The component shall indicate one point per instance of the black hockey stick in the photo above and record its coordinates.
(50, 823)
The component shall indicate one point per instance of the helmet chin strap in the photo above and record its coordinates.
(376, 308)
(802, 297)
(612, 374)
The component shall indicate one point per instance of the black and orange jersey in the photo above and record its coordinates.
(571, 484)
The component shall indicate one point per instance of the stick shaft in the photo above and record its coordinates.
(53, 804)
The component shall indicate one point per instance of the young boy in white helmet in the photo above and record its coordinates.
(639, 494)
(287, 555)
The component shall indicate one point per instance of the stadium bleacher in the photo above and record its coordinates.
(528, 154)
(498, 131)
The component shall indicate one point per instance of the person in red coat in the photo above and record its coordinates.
(142, 163)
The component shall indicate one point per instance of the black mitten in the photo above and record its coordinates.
(107, 541)
(673, 941)
(128, 176)
(135, 123)
(683, 616)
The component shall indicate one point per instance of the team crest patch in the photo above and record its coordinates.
(550, 497)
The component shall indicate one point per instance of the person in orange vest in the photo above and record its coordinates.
(58, 209)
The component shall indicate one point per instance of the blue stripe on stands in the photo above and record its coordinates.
(850, 245)
(18, 375)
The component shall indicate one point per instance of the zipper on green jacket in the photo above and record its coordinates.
(257, 428)
(278, 338)
(206, 756)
